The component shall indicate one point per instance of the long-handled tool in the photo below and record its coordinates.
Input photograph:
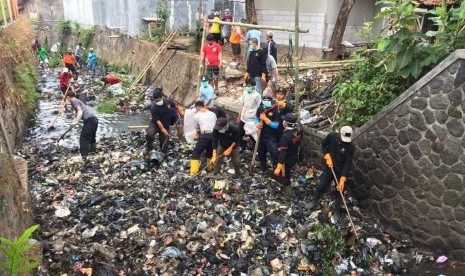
(345, 204)
(259, 132)
(60, 110)
(66, 132)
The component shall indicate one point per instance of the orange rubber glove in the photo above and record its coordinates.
(281, 104)
(329, 161)
(265, 119)
(342, 183)
(246, 76)
(228, 151)
(279, 168)
(213, 159)
(263, 77)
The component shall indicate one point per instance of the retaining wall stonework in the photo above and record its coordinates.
(410, 163)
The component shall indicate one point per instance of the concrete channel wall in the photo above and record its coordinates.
(410, 161)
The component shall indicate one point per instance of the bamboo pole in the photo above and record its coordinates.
(296, 66)
(204, 34)
(2, 7)
(8, 3)
(275, 28)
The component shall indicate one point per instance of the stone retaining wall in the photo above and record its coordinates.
(410, 162)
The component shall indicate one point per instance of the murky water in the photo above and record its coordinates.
(48, 106)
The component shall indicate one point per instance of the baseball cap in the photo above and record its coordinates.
(217, 13)
(346, 134)
(290, 117)
(267, 97)
(204, 78)
(221, 123)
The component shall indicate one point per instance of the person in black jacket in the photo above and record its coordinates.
(226, 138)
(256, 65)
(267, 120)
(283, 107)
(160, 123)
(338, 152)
(288, 148)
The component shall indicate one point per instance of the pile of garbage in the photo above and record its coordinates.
(126, 215)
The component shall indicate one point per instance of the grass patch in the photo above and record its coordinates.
(55, 61)
(25, 84)
(108, 107)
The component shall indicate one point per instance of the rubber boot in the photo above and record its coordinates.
(210, 166)
(237, 172)
(195, 166)
(93, 147)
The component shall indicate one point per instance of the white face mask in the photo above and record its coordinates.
(160, 103)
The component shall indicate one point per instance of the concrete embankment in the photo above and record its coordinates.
(17, 100)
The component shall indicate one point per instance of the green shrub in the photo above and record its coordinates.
(108, 107)
(25, 84)
(86, 37)
(20, 255)
(398, 59)
(64, 27)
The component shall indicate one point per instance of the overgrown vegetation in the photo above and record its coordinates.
(86, 36)
(162, 12)
(122, 68)
(20, 254)
(25, 84)
(333, 245)
(108, 107)
(399, 60)
(64, 27)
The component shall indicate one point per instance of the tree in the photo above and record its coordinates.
(250, 12)
(339, 29)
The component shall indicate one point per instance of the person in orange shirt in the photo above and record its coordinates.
(69, 61)
(237, 35)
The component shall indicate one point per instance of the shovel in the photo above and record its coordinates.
(60, 110)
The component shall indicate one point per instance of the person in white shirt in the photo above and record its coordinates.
(251, 100)
(205, 122)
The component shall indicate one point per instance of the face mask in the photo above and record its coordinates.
(160, 103)
(224, 129)
(248, 89)
(267, 104)
(204, 83)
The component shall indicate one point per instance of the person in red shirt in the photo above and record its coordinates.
(211, 58)
(64, 78)
(110, 80)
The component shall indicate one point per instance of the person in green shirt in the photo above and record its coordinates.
(43, 59)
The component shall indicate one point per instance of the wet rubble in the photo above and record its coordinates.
(126, 215)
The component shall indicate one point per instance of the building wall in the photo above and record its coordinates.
(317, 16)
(314, 22)
(128, 14)
(409, 160)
